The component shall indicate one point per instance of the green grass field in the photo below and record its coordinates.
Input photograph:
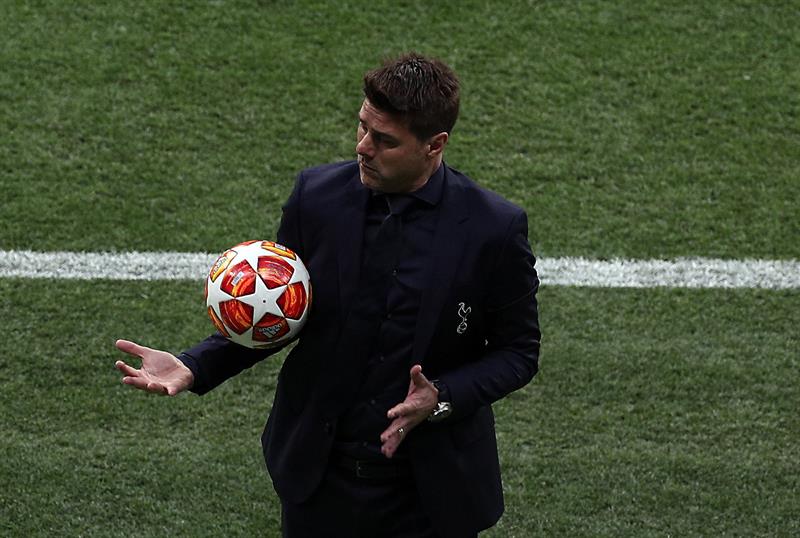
(635, 129)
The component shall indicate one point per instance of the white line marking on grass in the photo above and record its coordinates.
(615, 273)
(106, 265)
(678, 273)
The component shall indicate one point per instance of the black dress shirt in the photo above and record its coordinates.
(386, 375)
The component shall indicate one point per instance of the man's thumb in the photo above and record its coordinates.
(131, 348)
(417, 376)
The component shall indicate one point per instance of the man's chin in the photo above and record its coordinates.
(369, 180)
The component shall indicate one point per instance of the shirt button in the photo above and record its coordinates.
(372, 402)
(394, 272)
(382, 358)
(328, 428)
(388, 315)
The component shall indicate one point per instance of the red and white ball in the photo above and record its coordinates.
(258, 294)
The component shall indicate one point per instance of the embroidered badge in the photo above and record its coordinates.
(463, 312)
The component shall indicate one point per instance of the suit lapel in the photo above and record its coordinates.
(350, 239)
(448, 246)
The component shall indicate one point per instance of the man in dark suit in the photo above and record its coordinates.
(414, 268)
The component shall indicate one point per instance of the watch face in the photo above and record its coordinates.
(442, 411)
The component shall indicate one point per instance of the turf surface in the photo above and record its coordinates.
(639, 129)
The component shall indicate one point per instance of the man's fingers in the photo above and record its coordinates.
(388, 449)
(392, 437)
(397, 430)
(145, 385)
(126, 369)
(157, 388)
(131, 348)
(399, 410)
(135, 381)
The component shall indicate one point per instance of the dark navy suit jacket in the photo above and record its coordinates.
(477, 332)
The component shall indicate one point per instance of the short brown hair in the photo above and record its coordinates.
(423, 91)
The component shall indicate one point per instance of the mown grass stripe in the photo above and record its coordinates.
(566, 271)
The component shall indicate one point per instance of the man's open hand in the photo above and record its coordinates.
(161, 372)
(419, 403)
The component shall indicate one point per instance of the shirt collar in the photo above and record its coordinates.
(430, 192)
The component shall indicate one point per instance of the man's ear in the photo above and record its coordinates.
(437, 143)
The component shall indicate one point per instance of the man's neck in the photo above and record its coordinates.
(425, 177)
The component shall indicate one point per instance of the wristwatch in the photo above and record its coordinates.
(443, 407)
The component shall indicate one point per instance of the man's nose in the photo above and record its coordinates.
(364, 147)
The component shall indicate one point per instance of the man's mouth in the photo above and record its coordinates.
(366, 166)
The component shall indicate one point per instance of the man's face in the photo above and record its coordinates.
(390, 157)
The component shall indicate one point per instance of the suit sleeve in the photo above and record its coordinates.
(216, 359)
(511, 356)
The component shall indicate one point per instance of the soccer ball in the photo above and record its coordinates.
(258, 294)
